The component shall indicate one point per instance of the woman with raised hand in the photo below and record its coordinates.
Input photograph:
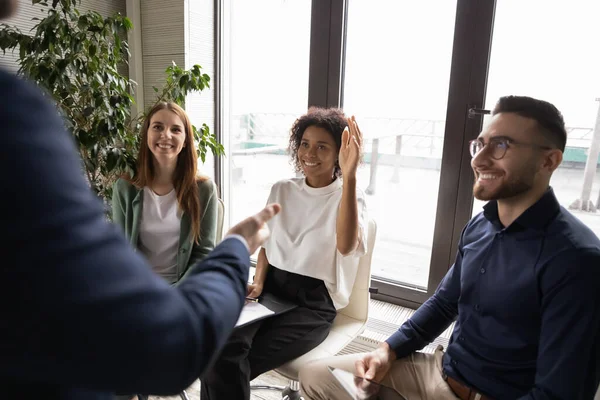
(311, 258)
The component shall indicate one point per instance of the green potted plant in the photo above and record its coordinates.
(76, 57)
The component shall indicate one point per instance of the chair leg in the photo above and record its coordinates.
(267, 387)
(292, 391)
(184, 395)
(289, 392)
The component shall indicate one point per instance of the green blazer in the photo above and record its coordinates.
(127, 203)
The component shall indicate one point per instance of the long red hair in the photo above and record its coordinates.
(185, 177)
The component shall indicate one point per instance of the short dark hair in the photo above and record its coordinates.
(546, 115)
(332, 120)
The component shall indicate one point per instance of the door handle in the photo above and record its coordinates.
(474, 112)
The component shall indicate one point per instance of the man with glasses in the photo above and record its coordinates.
(524, 289)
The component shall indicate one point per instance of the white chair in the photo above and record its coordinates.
(220, 218)
(219, 236)
(347, 325)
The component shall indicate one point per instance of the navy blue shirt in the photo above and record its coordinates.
(526, 299)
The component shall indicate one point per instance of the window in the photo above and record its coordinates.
(409, 71)
(544, 50)
(200, 106)
(267, 60)
(397, 72)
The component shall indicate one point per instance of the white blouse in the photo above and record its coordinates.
(159, 232)
(303, 235)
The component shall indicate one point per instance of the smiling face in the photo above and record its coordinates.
(166, 136)
(317, 155)
(522, 166)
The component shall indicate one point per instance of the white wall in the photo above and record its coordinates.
(181, 31)
(163, 41)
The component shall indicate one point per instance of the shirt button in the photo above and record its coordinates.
(477, 307)
(482, 270)
(461, 338)
(454, 362)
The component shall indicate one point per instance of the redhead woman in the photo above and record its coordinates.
(168, 211)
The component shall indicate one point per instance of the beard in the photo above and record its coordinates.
(7, 7)
(507, 190)
(522, 183)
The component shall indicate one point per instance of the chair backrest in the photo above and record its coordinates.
(220, 218)
(358, 307)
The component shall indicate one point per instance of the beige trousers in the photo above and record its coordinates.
(418, 377)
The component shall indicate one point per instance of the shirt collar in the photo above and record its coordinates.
(332, 187)
(535, 217)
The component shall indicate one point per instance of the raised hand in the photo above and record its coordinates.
(350, 150)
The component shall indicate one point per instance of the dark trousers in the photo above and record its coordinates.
(269, 343)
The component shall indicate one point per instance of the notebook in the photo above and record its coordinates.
(364, 389)
(267, 306)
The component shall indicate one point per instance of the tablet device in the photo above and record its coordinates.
(364, 389)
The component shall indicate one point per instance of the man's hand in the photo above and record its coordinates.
(376, 364)
(254, 229)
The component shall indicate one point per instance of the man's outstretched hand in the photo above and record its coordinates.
(254, 229)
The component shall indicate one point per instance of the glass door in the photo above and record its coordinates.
(267, 67)
(549, 50)
(411, 72)
(397, 72)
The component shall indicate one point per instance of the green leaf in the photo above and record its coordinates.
(82, 23)
(85, 138)
(183, 81)
(127, 23)
(88, 111)
(112, 158)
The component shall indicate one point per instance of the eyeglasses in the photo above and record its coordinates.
(498, 146)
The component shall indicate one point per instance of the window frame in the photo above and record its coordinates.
(467, 88)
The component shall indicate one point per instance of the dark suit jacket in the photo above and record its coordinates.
(81, 315)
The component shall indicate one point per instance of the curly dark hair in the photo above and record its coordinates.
(332, 120)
